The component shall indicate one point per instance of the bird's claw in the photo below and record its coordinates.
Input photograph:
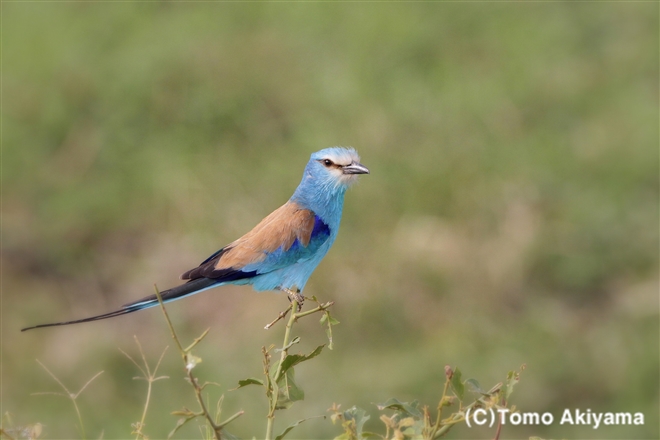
(294, 295)
(298, 297)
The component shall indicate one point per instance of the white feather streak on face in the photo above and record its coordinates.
(342, 158)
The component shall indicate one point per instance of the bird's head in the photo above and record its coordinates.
(338, 167)
(328, 174)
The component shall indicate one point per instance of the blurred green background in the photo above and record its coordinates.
(511, 215)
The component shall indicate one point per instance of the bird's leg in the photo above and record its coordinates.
(294, 296)
(297, 297)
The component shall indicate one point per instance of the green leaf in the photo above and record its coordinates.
(292, 360)
(291, 344)
(409, 409)
(192, 361)
(179, 424)
(411, 428)
(327, 317)
(359, 416)
(185, 413)
(293, 425)
(475, 386)
(456, 384)
(288, 392)
(249, 381)
(511, 380)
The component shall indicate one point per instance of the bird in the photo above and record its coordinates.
(281, 251)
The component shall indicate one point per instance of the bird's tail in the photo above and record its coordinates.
(189, 288)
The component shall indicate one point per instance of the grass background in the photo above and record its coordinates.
(511, 215)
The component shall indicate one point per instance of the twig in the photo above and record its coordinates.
(272, 386)
(3, 432)
(282, 315)
(320, 308)
(169, 323)
(69, 394)
(150, 378)
(438, 420)
(499, 429)
(231, 419)
(190, 361)
(275, 392)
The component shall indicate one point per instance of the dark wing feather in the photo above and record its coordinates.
(285, 227)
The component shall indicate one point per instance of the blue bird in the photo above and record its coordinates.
(283, 250)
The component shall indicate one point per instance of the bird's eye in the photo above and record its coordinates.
(327, 162)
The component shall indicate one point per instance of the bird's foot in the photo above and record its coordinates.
(296, 296)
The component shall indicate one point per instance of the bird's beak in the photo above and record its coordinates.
(355, 168)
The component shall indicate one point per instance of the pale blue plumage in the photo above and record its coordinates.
(283, 250)
(322, 193)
